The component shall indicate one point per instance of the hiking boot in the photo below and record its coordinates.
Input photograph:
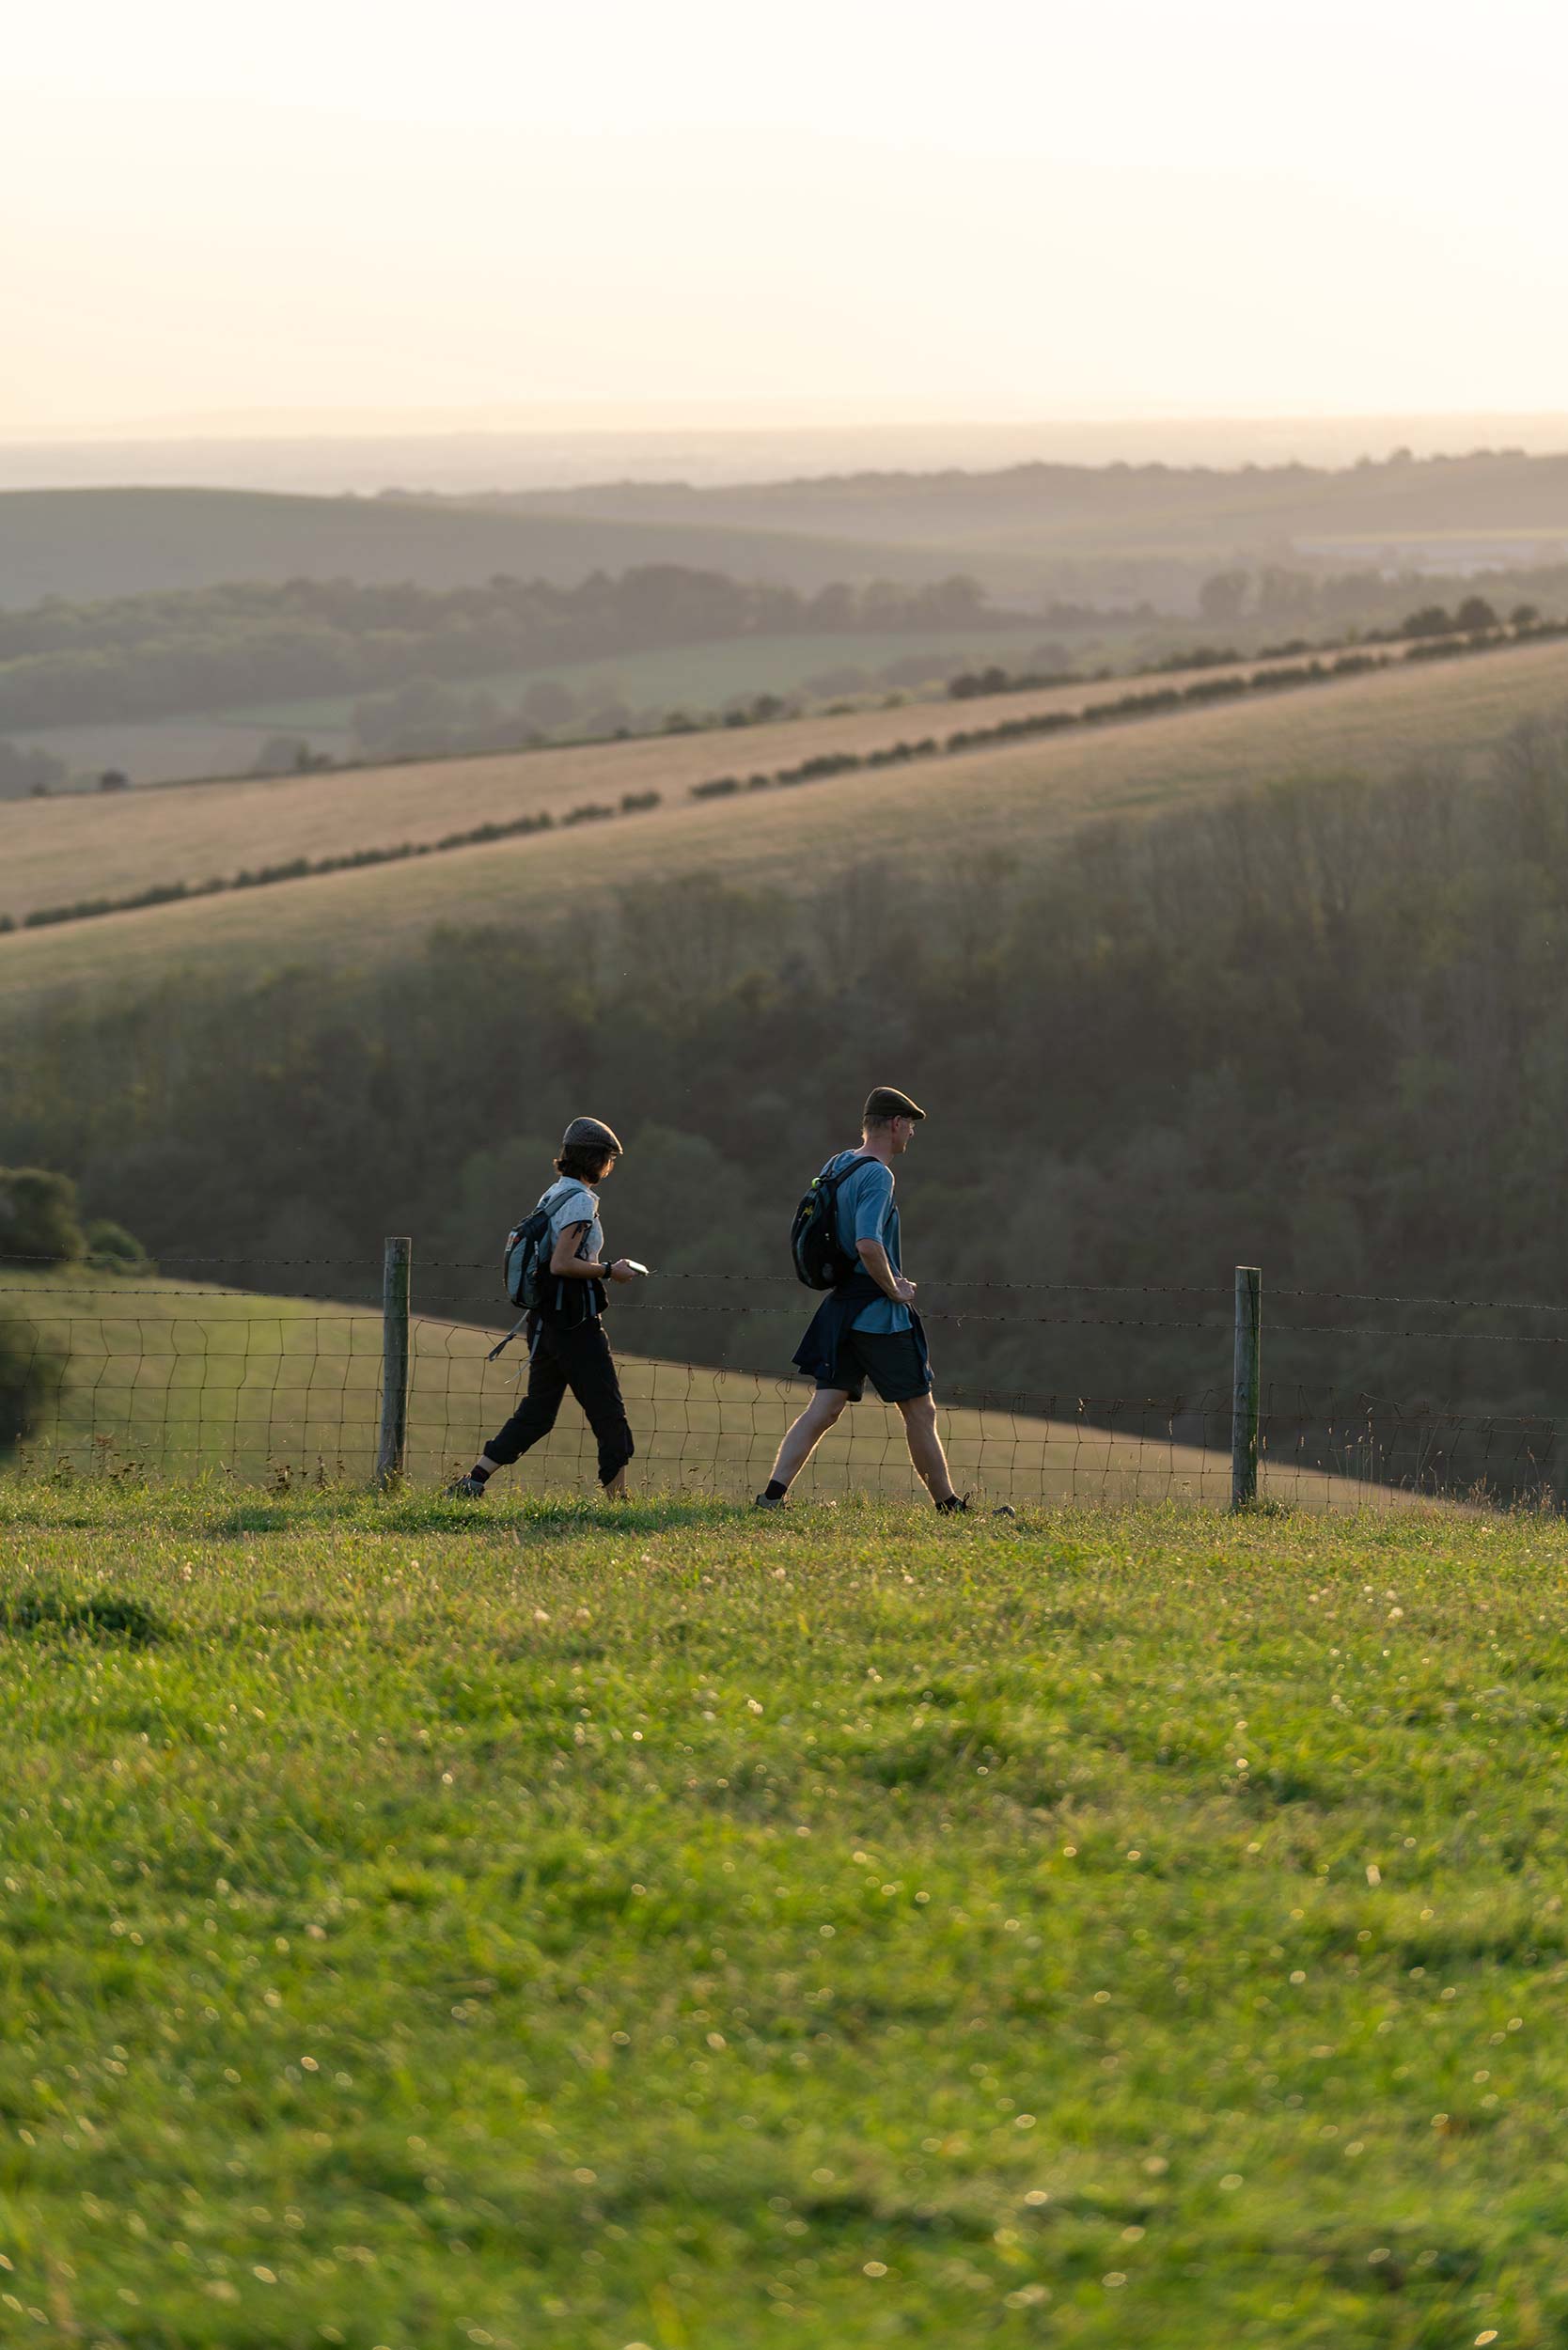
(463, 1489)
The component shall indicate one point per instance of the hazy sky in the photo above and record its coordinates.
(971, 207)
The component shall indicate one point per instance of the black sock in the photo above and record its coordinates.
(953, 1503)
(774, 1491)
(480, 1474)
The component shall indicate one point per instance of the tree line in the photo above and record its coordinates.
(213, 648)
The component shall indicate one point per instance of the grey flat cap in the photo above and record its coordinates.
(591, 1134)
(887, 1101)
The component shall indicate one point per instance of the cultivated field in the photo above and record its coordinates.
(1017, 799)
(65, 848)
(653, 1926)
(167, 1377)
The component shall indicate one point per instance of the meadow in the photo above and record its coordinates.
(698, 678)
(646, 1927)
(65, 847)
(1019, 801)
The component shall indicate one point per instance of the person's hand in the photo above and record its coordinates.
(905, 1290)
(623, 1270)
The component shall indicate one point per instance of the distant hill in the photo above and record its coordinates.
(86, 545)
(1028, 530)
(1054, 508)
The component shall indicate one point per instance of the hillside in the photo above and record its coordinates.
(1018, 802)
(1055, 508)
(85, 544)
(1275, 982)
(175, 1378)
(63, 848)
(643, 687)
(1021, 529)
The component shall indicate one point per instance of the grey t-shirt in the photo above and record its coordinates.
(570, 1201)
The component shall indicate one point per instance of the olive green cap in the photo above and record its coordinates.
(887, 1101)
(591, 1133)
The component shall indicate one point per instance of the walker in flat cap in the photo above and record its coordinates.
(846, 1241)
(558, 1272)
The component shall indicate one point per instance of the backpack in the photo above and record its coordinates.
(525, 1260)
(821, 1260)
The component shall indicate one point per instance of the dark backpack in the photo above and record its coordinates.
(821, 1260)
(526, 1261)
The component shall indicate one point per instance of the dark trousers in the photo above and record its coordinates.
(576, 1357)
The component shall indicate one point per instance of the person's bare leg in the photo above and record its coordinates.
(925, 1446)
(802, 1439)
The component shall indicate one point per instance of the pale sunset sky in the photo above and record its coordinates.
(341, 208)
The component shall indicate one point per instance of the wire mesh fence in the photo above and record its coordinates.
(176, 1379)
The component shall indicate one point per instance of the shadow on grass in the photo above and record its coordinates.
(106, 1616)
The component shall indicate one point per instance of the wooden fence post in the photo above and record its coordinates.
(393, 1447)
(1246, 1387)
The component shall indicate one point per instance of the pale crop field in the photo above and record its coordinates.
(169, 1378)
(1020, 798)
(111, 843)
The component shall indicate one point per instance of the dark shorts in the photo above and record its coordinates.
(890, 1360)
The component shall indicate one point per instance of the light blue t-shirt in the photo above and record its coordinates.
(866, 1212)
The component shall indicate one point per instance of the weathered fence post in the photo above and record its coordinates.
(393, 1447)
(1246, 1387)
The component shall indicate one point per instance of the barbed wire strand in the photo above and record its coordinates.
(1219, 1291)
(957, 1317)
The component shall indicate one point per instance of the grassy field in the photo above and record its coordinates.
(696, 677)
(59, 849)
(639, 1925)
(1019, 799)
(167, 1377)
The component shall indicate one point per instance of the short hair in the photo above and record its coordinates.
(584, 1162)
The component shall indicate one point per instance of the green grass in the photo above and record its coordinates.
(649, 1925)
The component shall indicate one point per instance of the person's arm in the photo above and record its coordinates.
(871, 1204)
(566, 1263)
(876, 1260)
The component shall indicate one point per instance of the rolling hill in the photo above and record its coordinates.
(63, 848)
(1053, 509)
(1020, 529)
(1013, 800)
(83, 544)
